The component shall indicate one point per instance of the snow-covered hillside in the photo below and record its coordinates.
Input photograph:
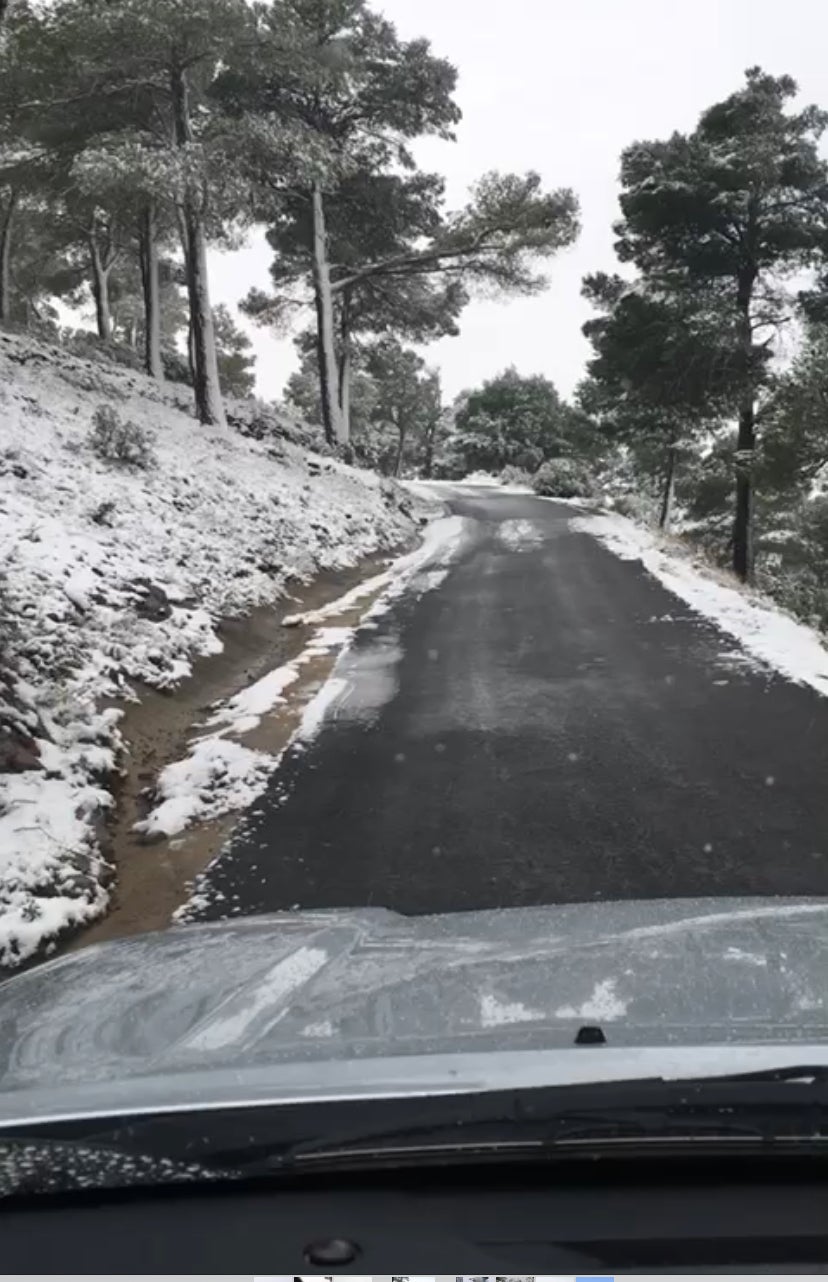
(113, 574)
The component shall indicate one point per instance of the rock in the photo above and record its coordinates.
(152, 602)
(18, 752)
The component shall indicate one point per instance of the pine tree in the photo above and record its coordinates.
(664, 371)
(355, 94)
(369, 215)
(127, 84)
(733, 208)
(407, 397)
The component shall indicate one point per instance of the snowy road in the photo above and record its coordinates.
(547, 723)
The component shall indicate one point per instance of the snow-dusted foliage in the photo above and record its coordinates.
(115, 575)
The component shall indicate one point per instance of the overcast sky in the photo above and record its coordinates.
(562, 88)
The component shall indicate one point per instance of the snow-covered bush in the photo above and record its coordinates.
(638, 507)
(176, 367)
(511, 475)
(82, 342)
(563, 478)
(117, 441)
(802, 590)
(118, 578)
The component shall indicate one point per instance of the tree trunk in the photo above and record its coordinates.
(326, 344)
(209, 405)
(428, 454)
(321, 365)
(100, 289)
(5, 257)
(345, 390)
(152, 301)
(669, 490)
(345, 362)
(191, 351)
(746, 440)
(401, 437)
(207, 388)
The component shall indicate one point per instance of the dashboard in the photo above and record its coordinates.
(693, 1216)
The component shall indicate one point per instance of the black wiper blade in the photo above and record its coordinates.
(773, 1105)
(805, 1074)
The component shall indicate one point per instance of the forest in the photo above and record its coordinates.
(138, 135)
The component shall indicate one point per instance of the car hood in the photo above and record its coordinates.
(366, 1000)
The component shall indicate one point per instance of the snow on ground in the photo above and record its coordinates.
(764, 631)
(218, 776)
(424, 568)
(113, 576)
(475, 481)
(518, 536)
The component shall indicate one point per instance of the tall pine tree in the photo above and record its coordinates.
(733, 208)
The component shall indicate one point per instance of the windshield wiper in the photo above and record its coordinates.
(767, 1108)
(805, 1073)
(774, 1106)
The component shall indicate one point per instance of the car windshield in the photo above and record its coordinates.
(413, 582)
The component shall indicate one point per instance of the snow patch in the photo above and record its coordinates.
(749, 959)
(217, 776)
(117, 576)
(519, 535)
(270, 993)
(245, 710)
(776, 640)
(342, 604)
(475, 481)
(494, 1013)
(324, 1028)
(319, 708)
(603, 1004)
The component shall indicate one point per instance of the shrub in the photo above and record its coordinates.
(511, 475)
(83, 342)
(798, 589)
(563, 478)
(121, 442)
(638, 507)
(527, 460)
(176, 367)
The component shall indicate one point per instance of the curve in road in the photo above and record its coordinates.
(547, 725)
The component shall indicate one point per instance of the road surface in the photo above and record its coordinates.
(548, 724)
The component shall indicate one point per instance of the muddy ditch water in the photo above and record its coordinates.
(152, 877)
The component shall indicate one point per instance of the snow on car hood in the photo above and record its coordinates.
(355, 1000)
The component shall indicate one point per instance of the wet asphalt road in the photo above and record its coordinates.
(549, 724)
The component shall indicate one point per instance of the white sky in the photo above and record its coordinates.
(562, 87)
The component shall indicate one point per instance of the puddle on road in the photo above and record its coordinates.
(153, 878)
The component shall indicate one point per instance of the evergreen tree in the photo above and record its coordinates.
(233, 347)
(356, 94)
(663, 374)
(407, 398)
(733, 208)
(369, 215)
(516, 420)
